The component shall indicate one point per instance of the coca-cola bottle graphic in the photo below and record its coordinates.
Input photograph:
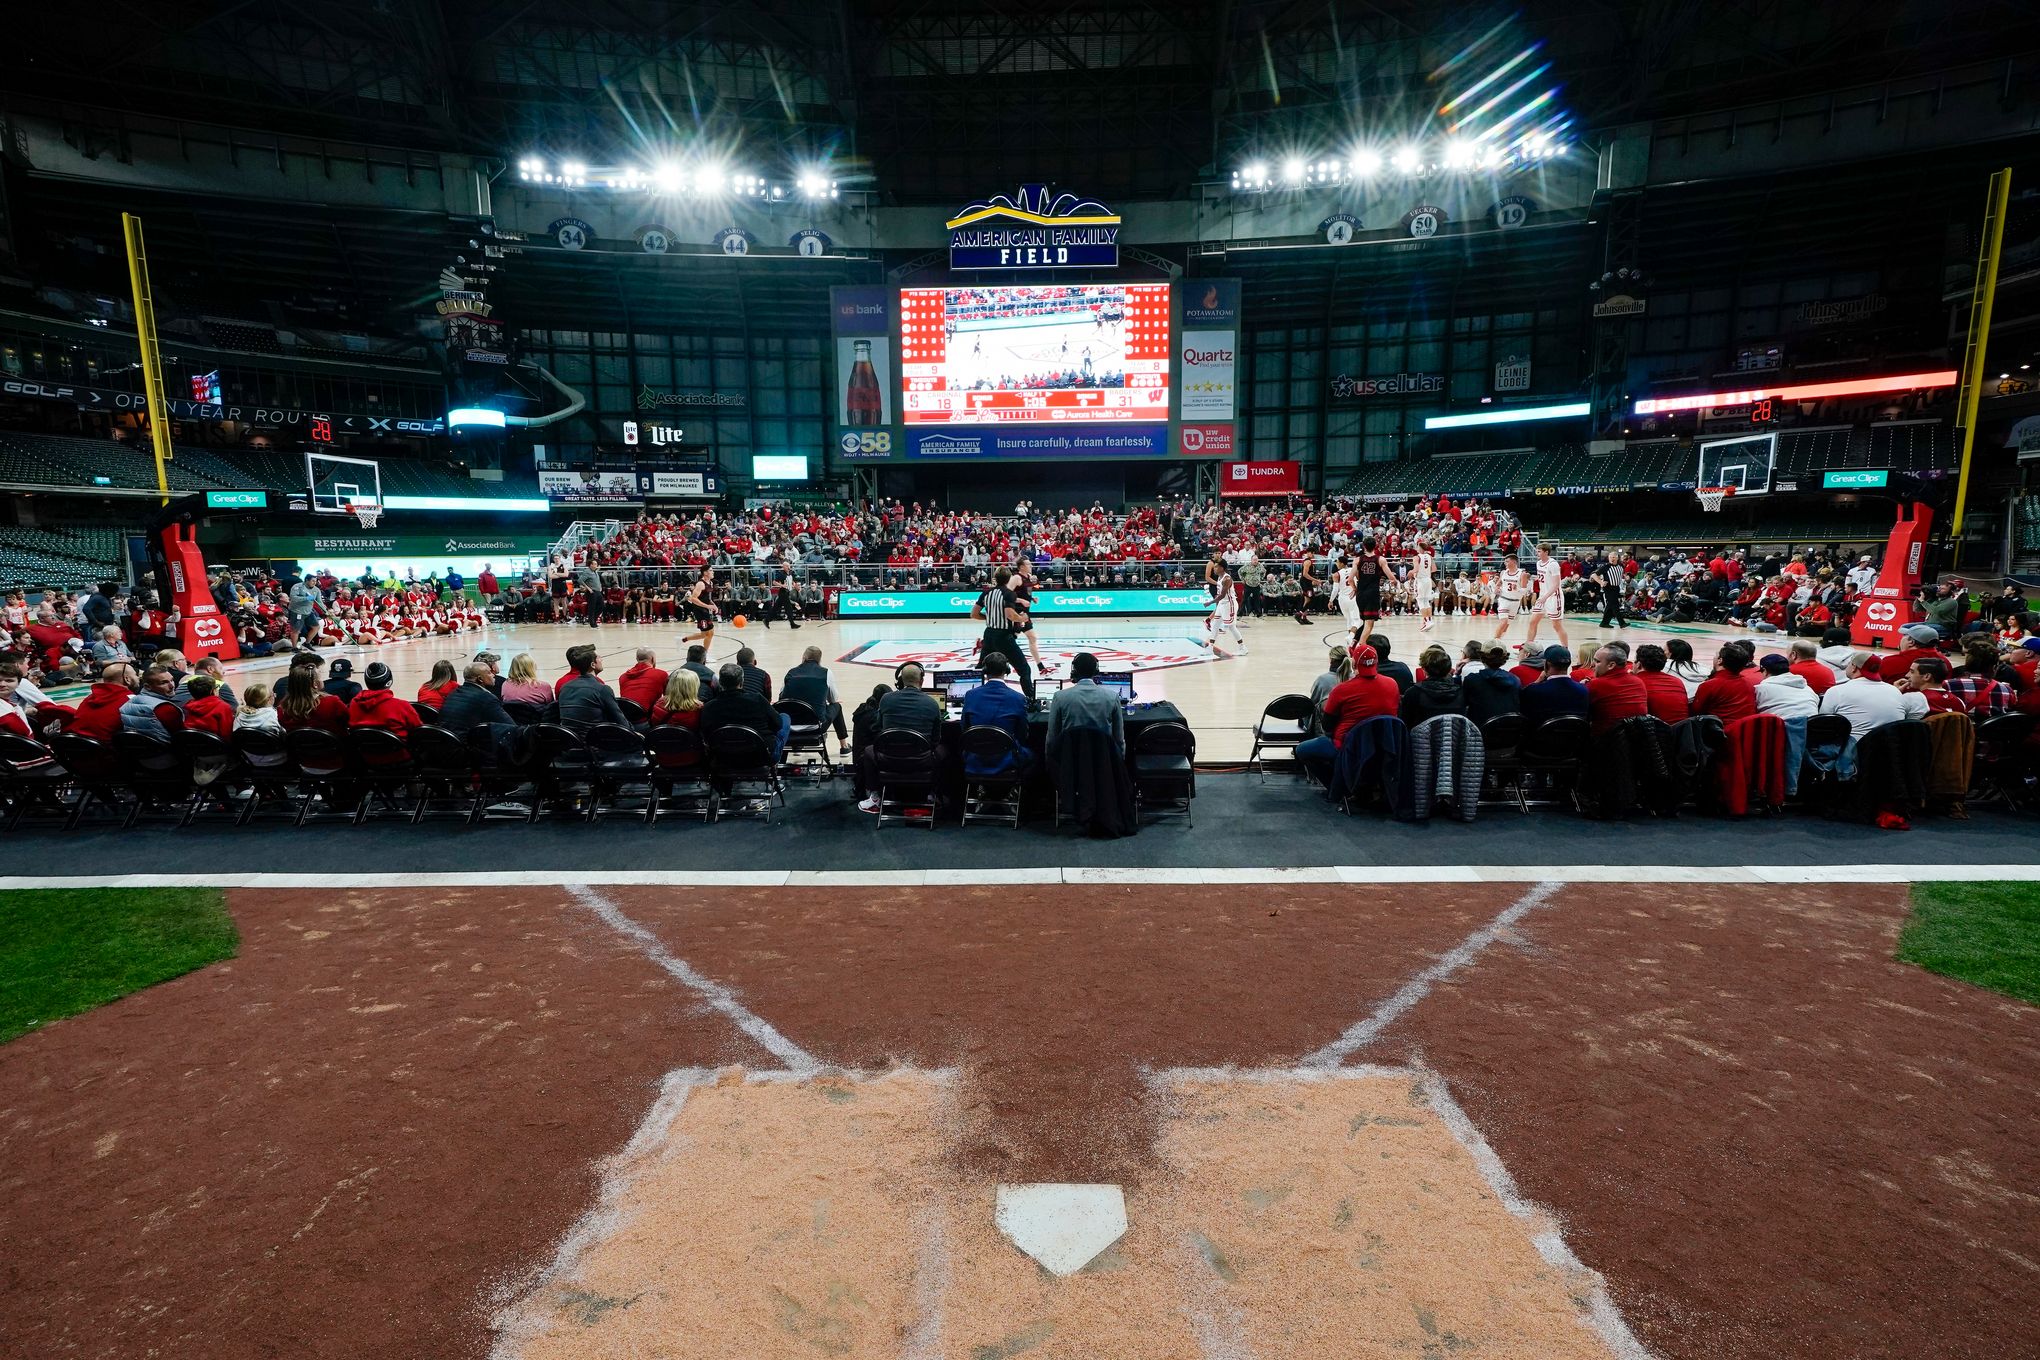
(861, 400)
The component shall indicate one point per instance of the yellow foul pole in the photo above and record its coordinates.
(152, 354)
(1975, 355)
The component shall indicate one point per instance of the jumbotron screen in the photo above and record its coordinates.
(1035, 353)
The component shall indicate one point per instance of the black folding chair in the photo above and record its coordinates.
(267, 769)
(321, 759)
(991, 798)
(807, 734)
(1503, 736)
(382, 763)
(526, 715)
(215, 766)
(905, 774)
(2002, 767)
(154, 773)
(1554, 750)
(739, 760)
(1284, 722)
(498, 774)
(562, 769)
(679, 773)
(633, 712)
(95, 767)
(31, 780)
(443, 768)
(620, 760)
(1162, 758)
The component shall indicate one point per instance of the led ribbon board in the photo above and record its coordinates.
(1903, 382)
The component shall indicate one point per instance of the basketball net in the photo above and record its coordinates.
(1711, 497)
(368, 512)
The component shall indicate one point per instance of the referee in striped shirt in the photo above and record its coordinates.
(1000, 612)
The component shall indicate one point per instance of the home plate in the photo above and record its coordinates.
(1287, 1216)
(1063, 1227)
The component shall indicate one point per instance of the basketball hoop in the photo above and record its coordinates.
(368, 512)
(1711, 497)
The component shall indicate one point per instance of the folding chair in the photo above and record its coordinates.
(679, 773)
(739, 757)
(267, 769)
(991, 797)
(214, 766)
(31, 779)
(321, 759)
(1503, 735)
(95, 767)
(620, 760)
(2002, 768)
(563, 770)
(633, 712)
(1554, 749)
(1162, 756)
(1284, 722)
(383, 764)
(154, 773)
(807, 734)
(443, 768)
(905, 775)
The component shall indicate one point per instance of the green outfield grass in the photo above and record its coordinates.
(1985, 933)
(67, 950)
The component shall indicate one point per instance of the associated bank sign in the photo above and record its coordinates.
(930, 604)
(1033, 231)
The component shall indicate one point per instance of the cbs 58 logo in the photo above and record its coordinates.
(854, 443)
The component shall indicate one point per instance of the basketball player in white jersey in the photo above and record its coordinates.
(1423, 584)
(1224, 616)
(1344, 588)
(1550, 602)
(1510, 591)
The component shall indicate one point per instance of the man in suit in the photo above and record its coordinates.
(1084, 703)
(585, 700)
(473, 704)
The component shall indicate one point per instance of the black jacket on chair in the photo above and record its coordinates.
(1093, 783)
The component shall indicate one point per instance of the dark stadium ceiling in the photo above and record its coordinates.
(938, 101)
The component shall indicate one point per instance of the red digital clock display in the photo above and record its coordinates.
(322, 429)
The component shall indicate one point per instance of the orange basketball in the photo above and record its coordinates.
(737, 622)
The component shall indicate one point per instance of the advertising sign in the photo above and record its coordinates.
(1888, 607)
(1212, 303)
(1856, 479)
(1512, 374)
(1208, 361)
(863, 382)
(1076, 441)
(1261, 479)
(675, 484)
(929, 604)
(1031, 230)
(237, 500)
(582, 488)
(1206, 441)
(1346, 387)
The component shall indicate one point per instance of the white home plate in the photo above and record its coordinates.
(1063, 1227)
(1114, 654)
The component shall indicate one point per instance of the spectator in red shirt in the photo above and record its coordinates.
(1807, 665)
(433, 692)
(206, 711)
(98, 713)
(375, 706)
(1927, 678)
(1613, 694)
(1664, 694)
(1369, 694)
(1727, 694)
(643, 683)
(1923, 639)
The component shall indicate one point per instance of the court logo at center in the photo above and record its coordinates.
(1114, 654)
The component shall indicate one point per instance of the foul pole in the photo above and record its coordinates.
(152, 354)
(1974, 356)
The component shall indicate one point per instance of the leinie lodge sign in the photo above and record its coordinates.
(1031, 230)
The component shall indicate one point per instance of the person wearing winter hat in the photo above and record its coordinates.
(376, 706)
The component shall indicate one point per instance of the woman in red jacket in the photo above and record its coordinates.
(432, 694)
(304, 704)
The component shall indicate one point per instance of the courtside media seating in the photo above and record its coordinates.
(991, 798)
(906, 775)
(1163, 759)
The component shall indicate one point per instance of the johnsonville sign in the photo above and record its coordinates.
(1031, 230)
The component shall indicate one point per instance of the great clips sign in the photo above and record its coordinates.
(1261, 479)
(1033, 230)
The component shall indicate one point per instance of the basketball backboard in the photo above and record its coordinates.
(1742, 463)
(341, 485)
